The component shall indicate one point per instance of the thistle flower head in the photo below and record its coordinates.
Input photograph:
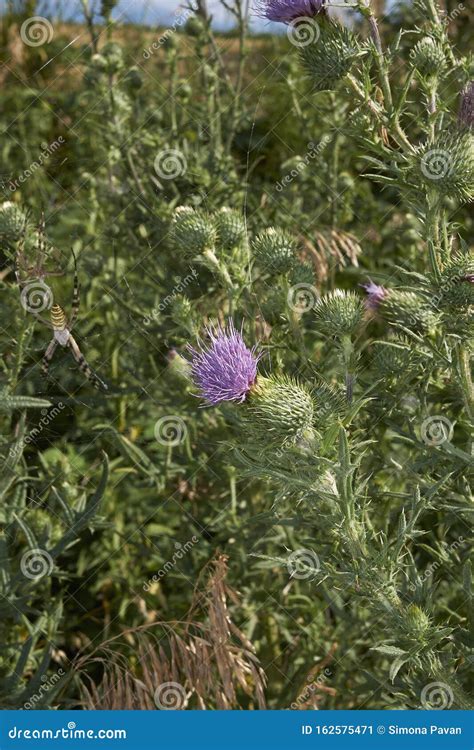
(279, 412)
(330, 56)
(286, 11)
(428, 57)
(375, 295)
(192, 230)
(230, 226)
(226, 369)
(275, 249)
(339, 313)
(12, 222)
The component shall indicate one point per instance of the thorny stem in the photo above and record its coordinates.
(464, 367)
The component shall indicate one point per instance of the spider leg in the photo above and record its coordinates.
(84, 366)
(47, 357)
(76, 299)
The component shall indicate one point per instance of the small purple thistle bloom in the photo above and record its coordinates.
(375, 295)
(469, 277)
(286, 11)
(226, 369)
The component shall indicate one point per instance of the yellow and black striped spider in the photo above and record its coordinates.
(34, 290)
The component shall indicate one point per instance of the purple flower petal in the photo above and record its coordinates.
(286, 11)
(226, 369)
(375, 295)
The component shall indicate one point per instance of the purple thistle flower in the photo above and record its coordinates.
(226, 369)
(286, 11)
(469, 277)
(375, 295)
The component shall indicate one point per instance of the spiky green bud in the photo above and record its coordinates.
(112, 52)
(330, 56)
(456, 286)
(428, 57)
(192, 230)
(391, 358)
(230, 227)
(302, 273)
(408, 309)
(339, 313)
(182, 312)
(195, 26)
(12, 223)
(275, 250)
(134, 79)
(447, 165)
(278, 411)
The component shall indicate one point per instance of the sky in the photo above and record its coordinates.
(151, 12)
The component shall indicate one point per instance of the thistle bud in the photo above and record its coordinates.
(391, 358)
(275, 250)
(133, 80)
(339, 313)
(279, 411)
(456, 286)
(428, 57)
(447, 165)
(330, 56)
(12, 223)
(195, 26)
(230, 228)
(112, 52)
(182, 312)
(302, 273)
(416, 623)
(409, 310)
(192, 230)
